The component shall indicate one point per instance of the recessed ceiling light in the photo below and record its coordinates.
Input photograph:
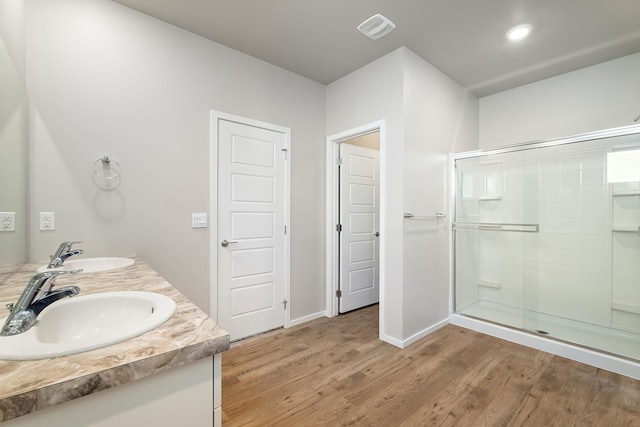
(376, 27)
(519, 32)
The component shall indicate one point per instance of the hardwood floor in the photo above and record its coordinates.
(335, 372)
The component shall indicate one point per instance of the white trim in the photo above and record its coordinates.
(331, 306)
(213, 207)
(451, 218)
(305, 319)
(391, 340)
(423, 333)
(589, 136)
(583, 355)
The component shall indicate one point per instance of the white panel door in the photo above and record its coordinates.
(359, 216)
(251, 228)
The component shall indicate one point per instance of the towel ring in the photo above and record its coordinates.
(106, 173)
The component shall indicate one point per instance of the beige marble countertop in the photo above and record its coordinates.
(190, 335)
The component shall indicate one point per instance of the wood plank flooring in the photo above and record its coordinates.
(335, 372)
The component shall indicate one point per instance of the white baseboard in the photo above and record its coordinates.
(304, 319)
(431, 329)
(391, 340)
(415, 337)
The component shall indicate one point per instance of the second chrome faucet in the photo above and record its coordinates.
(64, 251)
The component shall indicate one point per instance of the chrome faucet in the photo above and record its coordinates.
(37, 296)
(64, 251)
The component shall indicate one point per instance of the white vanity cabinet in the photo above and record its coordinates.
(180, 396)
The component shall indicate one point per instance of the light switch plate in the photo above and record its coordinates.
(199, 220)
(7, 221)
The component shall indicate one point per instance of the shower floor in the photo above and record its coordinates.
(609, 340)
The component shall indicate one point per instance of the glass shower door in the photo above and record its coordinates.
(580, 285)
(489, 233)
(547, 239)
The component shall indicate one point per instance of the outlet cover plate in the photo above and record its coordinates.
(47, 221)
(7, 221)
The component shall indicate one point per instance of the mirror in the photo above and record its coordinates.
(13, 167)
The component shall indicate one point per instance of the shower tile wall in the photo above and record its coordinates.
(490, 192)
(565, 269)
(625, 313)
(574, 242)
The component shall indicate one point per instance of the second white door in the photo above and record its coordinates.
(251, 228)
(359, 218)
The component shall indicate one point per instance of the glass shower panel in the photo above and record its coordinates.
(489, 251)
(547, 239)
(466, 240)
(585, 262)
(573, 244)
(623, 178)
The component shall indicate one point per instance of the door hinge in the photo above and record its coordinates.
(284, 301)
(339, 161)
(339, 293)
(285, 229)
(284, 150)
(339, 228)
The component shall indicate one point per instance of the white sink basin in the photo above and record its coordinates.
(92, 265)
(84, 323)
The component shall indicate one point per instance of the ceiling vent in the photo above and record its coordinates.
(377, 26)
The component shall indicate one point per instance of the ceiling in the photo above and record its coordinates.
(463, 38)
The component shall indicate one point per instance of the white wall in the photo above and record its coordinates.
(428, 116)
(440, 117)
(107, 80)
(12, 31)
(373, 93)
(13, 134)
(599, 97)
(13, 144)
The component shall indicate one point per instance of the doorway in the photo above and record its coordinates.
(359, 225)
(376, 223)
(249, 244)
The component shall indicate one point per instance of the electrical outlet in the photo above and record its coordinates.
(47, 221)
(7, 221)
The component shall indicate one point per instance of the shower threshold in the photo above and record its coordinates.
(600, 338)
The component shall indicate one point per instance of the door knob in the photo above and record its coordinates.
(226, 242)
(377, 234)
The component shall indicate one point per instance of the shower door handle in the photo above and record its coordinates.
(523, 228)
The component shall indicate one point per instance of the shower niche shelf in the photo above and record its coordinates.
(489, 284)
(629, 308)
(626, 210)
(492, 182)
(626, 193)
(626, 228)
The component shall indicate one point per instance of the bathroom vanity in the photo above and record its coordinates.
(168, 376)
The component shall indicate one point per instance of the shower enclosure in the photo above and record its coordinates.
(547, 239)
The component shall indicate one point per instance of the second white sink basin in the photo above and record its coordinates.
(92, 265)
(84, 323)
